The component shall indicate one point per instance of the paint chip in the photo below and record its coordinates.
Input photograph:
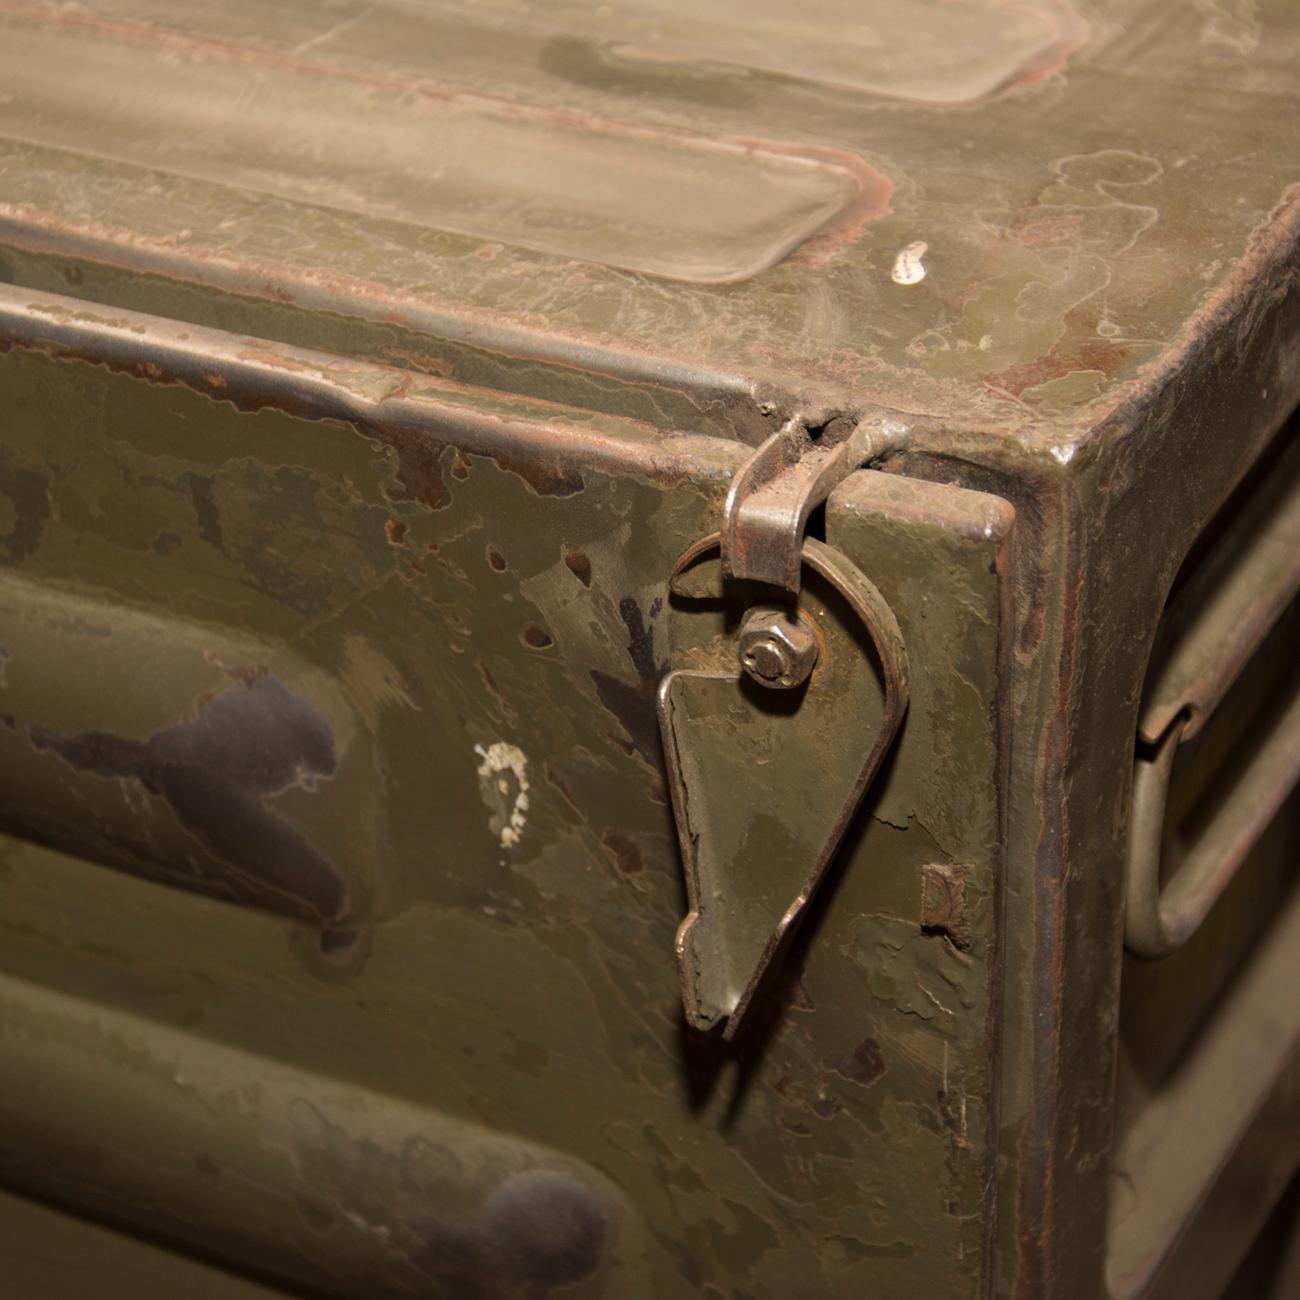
(503, 782)
(908, 266)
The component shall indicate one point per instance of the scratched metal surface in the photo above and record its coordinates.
(1076, 217)
(436, 681)
(469, 551)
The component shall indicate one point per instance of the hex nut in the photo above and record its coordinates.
(777, 648)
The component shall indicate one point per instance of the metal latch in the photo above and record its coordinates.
(777, 722)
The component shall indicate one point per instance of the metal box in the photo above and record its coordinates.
(649, 650)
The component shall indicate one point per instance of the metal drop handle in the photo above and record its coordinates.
(1219, 639)
(1161, 920)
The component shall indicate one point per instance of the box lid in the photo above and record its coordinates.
(1004, 215)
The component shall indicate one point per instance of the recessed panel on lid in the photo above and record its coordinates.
(943, 51)
(687, 206)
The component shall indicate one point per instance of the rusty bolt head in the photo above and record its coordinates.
(777, 648)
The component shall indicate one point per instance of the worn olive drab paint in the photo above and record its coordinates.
(317, 457)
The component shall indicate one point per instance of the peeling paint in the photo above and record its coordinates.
(908, 265)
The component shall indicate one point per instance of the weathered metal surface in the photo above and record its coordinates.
(190, 754)
(48, 1253)
(749, 876)
(533, 929)
(328, 1186)
(1070, 274)
(551, 444)
(1194, 1123)
(572, 185)
(887, 49)
(1059, 220)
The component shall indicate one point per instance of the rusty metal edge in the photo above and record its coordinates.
(253, 374)
(42, 233)
(1271, 253)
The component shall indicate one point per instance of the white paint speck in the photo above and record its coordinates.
(986, 342)
(500, 762)
(908, 266)
(1064, 453)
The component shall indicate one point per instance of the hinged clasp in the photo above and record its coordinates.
(764, 725)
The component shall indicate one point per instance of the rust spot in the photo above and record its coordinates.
(537, 637)
(800, 999)
(579, 566)
(826, 1107)
(421, 362)
(810, 1097)
(396, 530)
(491, 683)
(628, 857)
(496, 559)
(552, 478)
(1094, 354)
(419, 470)
(943, 902)
(864, 1067)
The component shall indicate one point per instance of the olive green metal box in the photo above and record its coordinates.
(648, 650)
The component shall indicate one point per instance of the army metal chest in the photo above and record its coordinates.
(648, 650)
